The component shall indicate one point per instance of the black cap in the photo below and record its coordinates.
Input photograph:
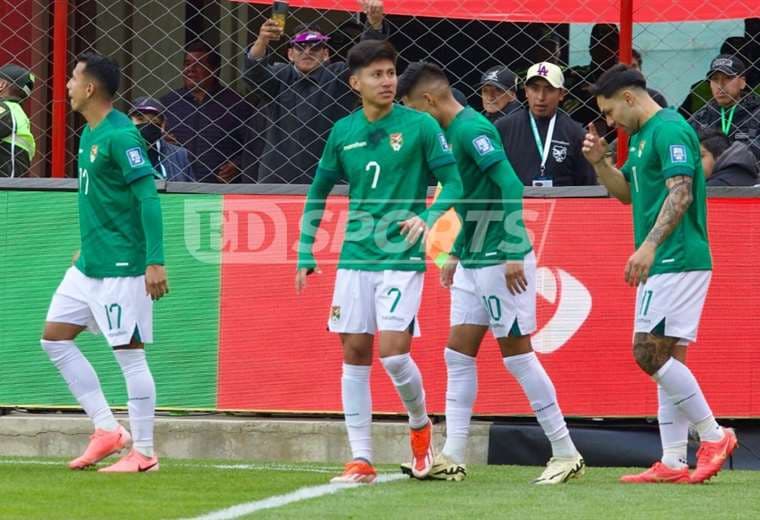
(19, 76)
(728, 65)
(500, 77)
(145, 104)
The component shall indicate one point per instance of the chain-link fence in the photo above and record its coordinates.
(232, 114)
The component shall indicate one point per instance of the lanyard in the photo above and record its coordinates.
(160, 162)
(543, 149)
(726, 125)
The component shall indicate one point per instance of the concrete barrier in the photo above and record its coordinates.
(228, 438)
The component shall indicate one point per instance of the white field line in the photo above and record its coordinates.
(288, 498)
(253, 466)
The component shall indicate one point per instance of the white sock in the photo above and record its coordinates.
(674, 431)
(461, 390)
(681, 386)
(82, 380)
(142, 397)
(539, 390)
(408, 380)
(357, 409)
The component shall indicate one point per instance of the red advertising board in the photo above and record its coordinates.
(275, 352)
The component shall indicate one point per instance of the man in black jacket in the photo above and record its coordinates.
(543, 143)
(498, 92)
(733, 109)
(304, 98)
(726, 164)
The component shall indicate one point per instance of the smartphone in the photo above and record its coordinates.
(279, 13)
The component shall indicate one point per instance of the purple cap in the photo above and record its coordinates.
(147, 104)
(307, 37)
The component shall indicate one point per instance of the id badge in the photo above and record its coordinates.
(543, 182)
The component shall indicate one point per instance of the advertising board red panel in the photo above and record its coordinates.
(275, 352)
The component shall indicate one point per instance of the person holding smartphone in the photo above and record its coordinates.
(303, 97)
(544, 143)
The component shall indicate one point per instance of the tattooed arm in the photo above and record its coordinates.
(676, 203)
(673, 208)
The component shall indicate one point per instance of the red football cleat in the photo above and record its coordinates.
(422, 450)
(659, 473)
(712, 455)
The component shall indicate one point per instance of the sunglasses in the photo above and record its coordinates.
(313, 47)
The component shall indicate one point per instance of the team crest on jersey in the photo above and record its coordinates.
(559, 152)
(642, 144)
(135, 157)
(677, 153)
(93, 152)
(483, 144)
(397, 141)
(335, 313)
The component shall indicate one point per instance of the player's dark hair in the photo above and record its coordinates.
(419, 73)
(369, 51)
(209, 53)
(714, 141)
(103, 70)
(637, 56)
(618, 77)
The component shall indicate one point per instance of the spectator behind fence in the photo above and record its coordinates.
(637, 63)
(733, 109)
(17, 144)
(498, 91)
(579, 103)
(724, 163)
(206, 117)
(304, 97)
(170, 161)
(543, 143)
(700, 93)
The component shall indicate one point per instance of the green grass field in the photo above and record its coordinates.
(46, 489)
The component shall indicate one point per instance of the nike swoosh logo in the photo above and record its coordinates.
(146, 468)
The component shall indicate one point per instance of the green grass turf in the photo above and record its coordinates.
(188, 488)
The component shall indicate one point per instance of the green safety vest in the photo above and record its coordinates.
(22, 129)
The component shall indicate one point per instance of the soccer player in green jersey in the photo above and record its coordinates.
(671, 267)
(386, 153)
(492, 276)
(117, 274)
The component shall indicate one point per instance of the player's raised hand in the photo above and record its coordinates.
(594, 146)
(413, 229)
(301, 275)
(639, 264)
(156, 282)
(448, 270)
(515, 277)
(374, 11)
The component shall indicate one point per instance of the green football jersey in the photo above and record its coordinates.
(667, 146)
(388, 164)
(111, 156)
(492, 233)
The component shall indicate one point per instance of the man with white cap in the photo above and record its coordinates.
(543, 143)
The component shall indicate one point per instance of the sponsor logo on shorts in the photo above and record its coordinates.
(335, 313)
